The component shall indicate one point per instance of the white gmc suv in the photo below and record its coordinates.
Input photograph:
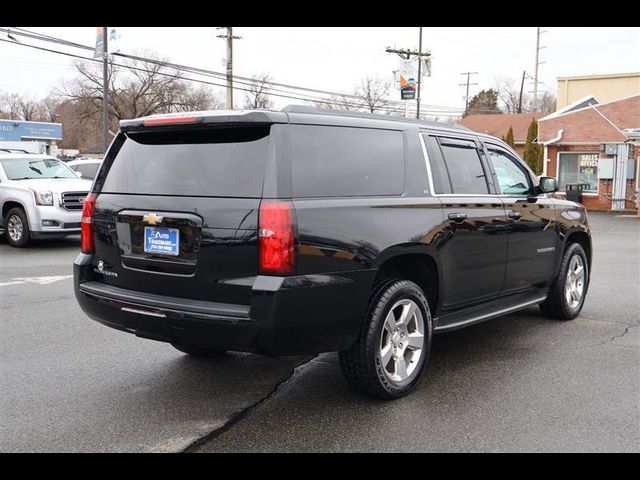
(40, 197)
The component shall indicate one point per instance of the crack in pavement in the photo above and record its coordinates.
(236, 417)
(620, 335)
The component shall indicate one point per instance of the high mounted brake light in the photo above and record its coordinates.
(87, 244)
(168, 120)
(276, 241)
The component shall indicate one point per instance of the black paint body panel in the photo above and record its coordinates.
(341, 244)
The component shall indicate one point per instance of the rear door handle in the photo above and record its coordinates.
(515, 215)
(458, 217)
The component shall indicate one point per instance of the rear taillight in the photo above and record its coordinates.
(86, 233)
(276, 242)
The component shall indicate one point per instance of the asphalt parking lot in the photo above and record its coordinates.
(519, 383)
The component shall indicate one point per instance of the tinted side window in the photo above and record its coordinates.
(512, 178)
(439, 174)
(464, 165)
(344, 161)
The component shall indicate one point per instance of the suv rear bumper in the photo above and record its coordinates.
(287, 316)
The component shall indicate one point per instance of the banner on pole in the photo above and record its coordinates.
(408, 82)
(114, 39)
(426, 64)
(99, 51)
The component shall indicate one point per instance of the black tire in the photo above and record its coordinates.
(23, 240)
(556, 305)
(362, 365)
(200, 352)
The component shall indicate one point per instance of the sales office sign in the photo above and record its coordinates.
(589, 160)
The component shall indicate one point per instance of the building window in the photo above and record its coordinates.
(579, 168)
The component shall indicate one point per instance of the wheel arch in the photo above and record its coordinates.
(416, 264)
(581, 237)
(9, 204)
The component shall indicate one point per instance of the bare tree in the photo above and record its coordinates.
(81, 124)
(18, 107)
(372, 91)
(48, 109)
(5, 109)
(257, 96)
(137, 89)
(339, 102)
(201, 98)
(509, 95)
(546, 102)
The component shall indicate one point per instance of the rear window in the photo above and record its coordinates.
(217, 162)
(342, 162)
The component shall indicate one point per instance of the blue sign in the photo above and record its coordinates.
(16, 131)
(164, 241)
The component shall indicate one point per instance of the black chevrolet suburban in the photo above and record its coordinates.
(304, 230)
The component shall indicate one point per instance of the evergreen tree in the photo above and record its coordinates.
(509, 138)
(485, 101)
(532, 151)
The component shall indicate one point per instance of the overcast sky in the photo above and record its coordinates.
(337, 58)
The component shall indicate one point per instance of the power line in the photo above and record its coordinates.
(236, 78)
(434, 111)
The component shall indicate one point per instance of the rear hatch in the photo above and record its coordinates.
(176, 211)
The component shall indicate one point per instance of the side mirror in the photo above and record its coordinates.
(78, 174)
(548, 184)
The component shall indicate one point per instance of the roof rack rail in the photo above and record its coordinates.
(376, 116)
(15, 150)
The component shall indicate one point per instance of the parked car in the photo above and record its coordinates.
(304, 231)
(86, 168)
(41, 197)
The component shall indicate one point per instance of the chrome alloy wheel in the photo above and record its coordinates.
(402, 340)
(574, 284)
(15, 228)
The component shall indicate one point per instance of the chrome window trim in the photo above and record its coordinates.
(427, 162)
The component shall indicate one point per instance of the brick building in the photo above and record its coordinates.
(596, 145)
(497, 125)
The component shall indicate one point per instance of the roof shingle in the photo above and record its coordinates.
(498, 124)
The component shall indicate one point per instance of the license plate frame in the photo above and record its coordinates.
(165, 242)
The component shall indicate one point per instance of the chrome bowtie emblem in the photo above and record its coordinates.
(152, 218)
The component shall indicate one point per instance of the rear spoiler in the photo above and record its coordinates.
(213, 117)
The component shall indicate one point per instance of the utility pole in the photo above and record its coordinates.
(230, 38)
(524, 74)
(467, 83)
(406, 55)
(538, 63)
(105, 89)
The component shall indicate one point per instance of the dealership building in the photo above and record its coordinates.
(34, 137)
(594, 148)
